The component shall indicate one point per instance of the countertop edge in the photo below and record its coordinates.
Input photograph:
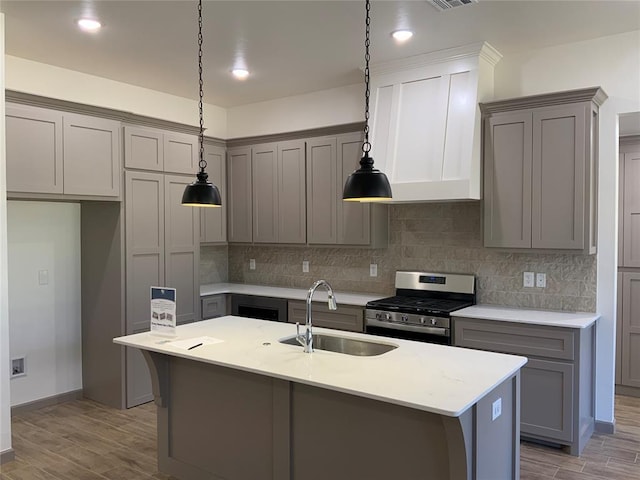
(552, 318)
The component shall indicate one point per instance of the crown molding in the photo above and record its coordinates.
(593, 94)
(297, 135)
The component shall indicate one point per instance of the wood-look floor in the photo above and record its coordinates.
(83, 440)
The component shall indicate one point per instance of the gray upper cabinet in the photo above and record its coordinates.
(630, 208)
(54, 152)
(34, 149)
(240, 198)
(180, 153)
(322, 222)
(160, 150)
(540, 171)
(213, 221)
(91, 155)
(330, 220)
(143, 148)
(292, 211)
(264, 175)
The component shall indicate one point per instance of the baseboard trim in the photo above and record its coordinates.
(7, 456)
(46, 402)
(605, 427)
(628, 391)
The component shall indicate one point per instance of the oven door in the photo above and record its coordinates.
(408, 332)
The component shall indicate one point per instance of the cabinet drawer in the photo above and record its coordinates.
(519, 339)
(346, 317)
(214, 306)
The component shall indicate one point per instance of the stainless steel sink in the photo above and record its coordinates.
(349, 346)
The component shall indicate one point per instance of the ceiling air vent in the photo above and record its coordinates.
(447, 4)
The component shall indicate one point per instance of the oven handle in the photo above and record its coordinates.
(443, 332)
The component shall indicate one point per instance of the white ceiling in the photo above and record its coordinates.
(291, 47)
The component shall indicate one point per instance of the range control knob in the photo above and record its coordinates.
(387, 316)
(405, 318)
(433, 321)
(422, 320)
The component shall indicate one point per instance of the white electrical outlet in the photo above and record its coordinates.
(528, 279)
(373, 270)
(18, 367)
(305, 266)
(541, 280)
(43, 277)
(496, 409)
(252, 264)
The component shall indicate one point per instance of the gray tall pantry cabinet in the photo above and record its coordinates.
(540, 171)
(628, 322)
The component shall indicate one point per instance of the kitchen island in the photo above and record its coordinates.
(242, 405)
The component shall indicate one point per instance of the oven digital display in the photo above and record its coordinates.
(432, 279)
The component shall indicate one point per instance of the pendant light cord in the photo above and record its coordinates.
(202, 164)
(366, 146)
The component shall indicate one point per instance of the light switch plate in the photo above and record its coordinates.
(541, 280)
(43, 277)
(496, 409)
(373, 270)
(252, 264)
(305, 266)
(528, 279)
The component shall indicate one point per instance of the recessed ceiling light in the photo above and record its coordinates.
(240, 73)
(89, 24)
(402, 35)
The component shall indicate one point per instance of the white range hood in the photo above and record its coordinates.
(426, 125)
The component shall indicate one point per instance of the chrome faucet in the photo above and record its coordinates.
(306, 339)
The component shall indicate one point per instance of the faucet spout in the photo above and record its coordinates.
(306, 339)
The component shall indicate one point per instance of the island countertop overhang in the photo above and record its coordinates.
(434, 378)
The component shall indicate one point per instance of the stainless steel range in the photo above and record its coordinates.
(421, 308)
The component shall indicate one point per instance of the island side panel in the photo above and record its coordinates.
(340, 436)
(497, 440)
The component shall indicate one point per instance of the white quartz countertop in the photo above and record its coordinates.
(434, 378)
(523, 315)
(288, 293)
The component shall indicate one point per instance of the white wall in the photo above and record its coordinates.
(301, 112)
(5, 396)
(26, 76)
(614, 64)
(44, 319)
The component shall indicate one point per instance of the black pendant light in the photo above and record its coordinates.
(201, 193)
(367, 184)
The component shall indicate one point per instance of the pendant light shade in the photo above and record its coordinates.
(367, 184)
(201, 193)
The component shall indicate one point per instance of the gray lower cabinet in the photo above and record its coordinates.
(629, 329)
(161, 151)
(330, 220)
(55, 152)
(213, 221)
(214, 306)
(346, 317)
(540, 171)
(557, 383)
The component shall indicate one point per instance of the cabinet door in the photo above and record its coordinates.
(181, 153)
(631, 210)
(264, 174)
(182, 249)
(559, 176)
(630, 355)
(507, 180)
(239, 220)
(619, 332)
(346, 317)
(354, 218)
(91, 156)
(213, 221)
(144, 207)
(292, 202)
(143, 148)
(214, 306)
(321, 191)
(547, 399)
(34, 149)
